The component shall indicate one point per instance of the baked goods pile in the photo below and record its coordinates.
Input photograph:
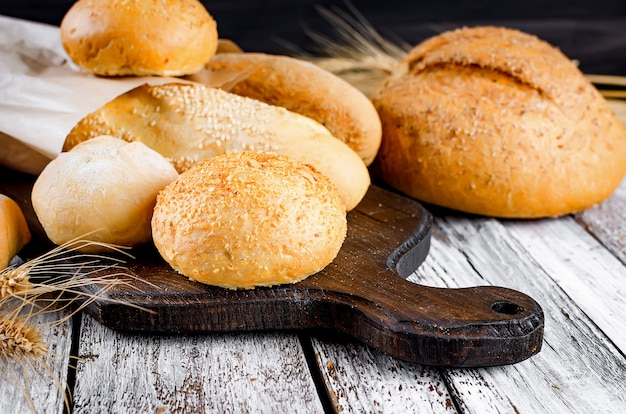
(249, 193)
(250, 186)
(187, 123)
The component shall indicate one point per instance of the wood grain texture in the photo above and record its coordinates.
(590, 275)
(361, 380)
(581, 367)
(27, 390)
(226, 373)
(607, 222)
(576, 353)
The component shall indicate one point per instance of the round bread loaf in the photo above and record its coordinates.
(139, 37)
(496, 122)
(305, 88)
(103, 190)
(248, 219)
(187, 123)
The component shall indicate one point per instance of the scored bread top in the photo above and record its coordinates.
(496, 122)
(520, 56)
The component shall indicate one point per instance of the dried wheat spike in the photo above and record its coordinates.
(13, 281)
(19, 339)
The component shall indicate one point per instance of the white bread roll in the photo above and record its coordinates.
(247, 219)
(496, 122)
(139, 37)
(103, 190)
(14, 232)
(187, 123)
(309, 90)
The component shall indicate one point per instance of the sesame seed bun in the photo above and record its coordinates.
(247, 219)
(139, 37)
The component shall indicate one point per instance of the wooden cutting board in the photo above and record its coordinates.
(363, 294)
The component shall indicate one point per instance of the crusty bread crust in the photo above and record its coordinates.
(139, 37)
(305, 88)
(248, 219)
(187, 123)
(496, 122)
(14, 232)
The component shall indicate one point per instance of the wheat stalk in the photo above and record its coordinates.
(56, 283)
(358, 53)
(364, 58)
(23, 350)
(19, 339)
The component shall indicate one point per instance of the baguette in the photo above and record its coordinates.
(307, 89)
(187, 123)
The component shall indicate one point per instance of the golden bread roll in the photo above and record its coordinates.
(248, 219)
(496, 122)
(307, 89)
(139, 37)
(187, 123)
(14, 232)
(103, 190)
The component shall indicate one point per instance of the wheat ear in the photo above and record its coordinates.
(50, 284)
(358, 53)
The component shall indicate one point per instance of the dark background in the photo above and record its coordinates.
(592, 32)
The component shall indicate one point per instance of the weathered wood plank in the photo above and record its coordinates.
(242, 373)
(578, 369)
(40, 392)
(361, 380)
(589, 274)
(607, 222)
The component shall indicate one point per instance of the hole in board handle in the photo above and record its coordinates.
(507, 308)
